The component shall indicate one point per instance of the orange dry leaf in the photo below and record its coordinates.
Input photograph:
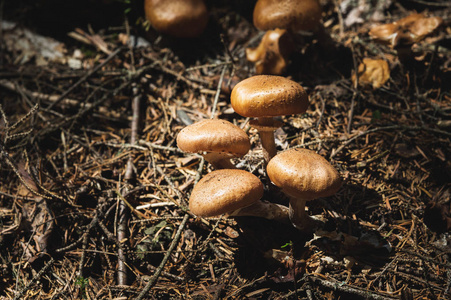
(374, 72)
(409, 20)
(408, 30)
(422, 27)
(271, 55)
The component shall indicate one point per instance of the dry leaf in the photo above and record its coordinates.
(31, 45)
(425, 26)
(374, 72)
(409, 20)
(408, 30)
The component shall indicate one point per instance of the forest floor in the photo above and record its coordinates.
(94, 191)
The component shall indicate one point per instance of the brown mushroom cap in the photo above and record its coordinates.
(268, 96)
(223, 191)
(179, 18)
(287, 14)
(301, 173)
(214, 135)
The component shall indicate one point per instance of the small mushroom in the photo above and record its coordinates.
(264, 97)
(271, 55)
(178, 18)
(303, 175)
(235, 193)
(293, 15)
(217, 140)
(283, 18)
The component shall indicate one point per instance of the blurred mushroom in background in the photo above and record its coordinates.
(177, 18)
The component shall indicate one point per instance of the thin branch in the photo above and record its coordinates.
(218, 92)
(158, 271)
(349, 289)
(387, 128)
(83, 79)
(34, 279)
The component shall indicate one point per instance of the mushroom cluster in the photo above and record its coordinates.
(301, 174)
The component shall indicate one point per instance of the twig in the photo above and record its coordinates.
(34, 279)
(227, 50)
(448, 283)
(83, 255)
(425, 258)
(159, 147)
(167, 274)
(91, 224)
(126, 203)
(182, 202)
(444, 4)
(58, 125)
(158, 271)
(209, 66)
(346, 288)
(391, 127)
(122, 229)
(323, 107)
(354, 92)
(40, 96)
(48, 194)
(83, 79)
(218, 92)
(340, 18)
(157, 65)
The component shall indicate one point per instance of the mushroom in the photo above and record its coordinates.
(235, 193)
(217, 140)
(271, 55)
(178, 18)
(289, 15)
(264, 97)
(293, 15)
(303, 175)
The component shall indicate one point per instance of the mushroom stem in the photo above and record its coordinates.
(264, 209)
(266, 131)
(299, 218)
(271, 55)
(219, 160)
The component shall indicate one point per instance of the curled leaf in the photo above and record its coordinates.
(271, 55)
(374, 72)
(425, 26)
(409, 20)
(408, 30)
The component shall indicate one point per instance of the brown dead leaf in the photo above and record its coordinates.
(409, 20)
(374, 72)
(408, 30)
(425, 26)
